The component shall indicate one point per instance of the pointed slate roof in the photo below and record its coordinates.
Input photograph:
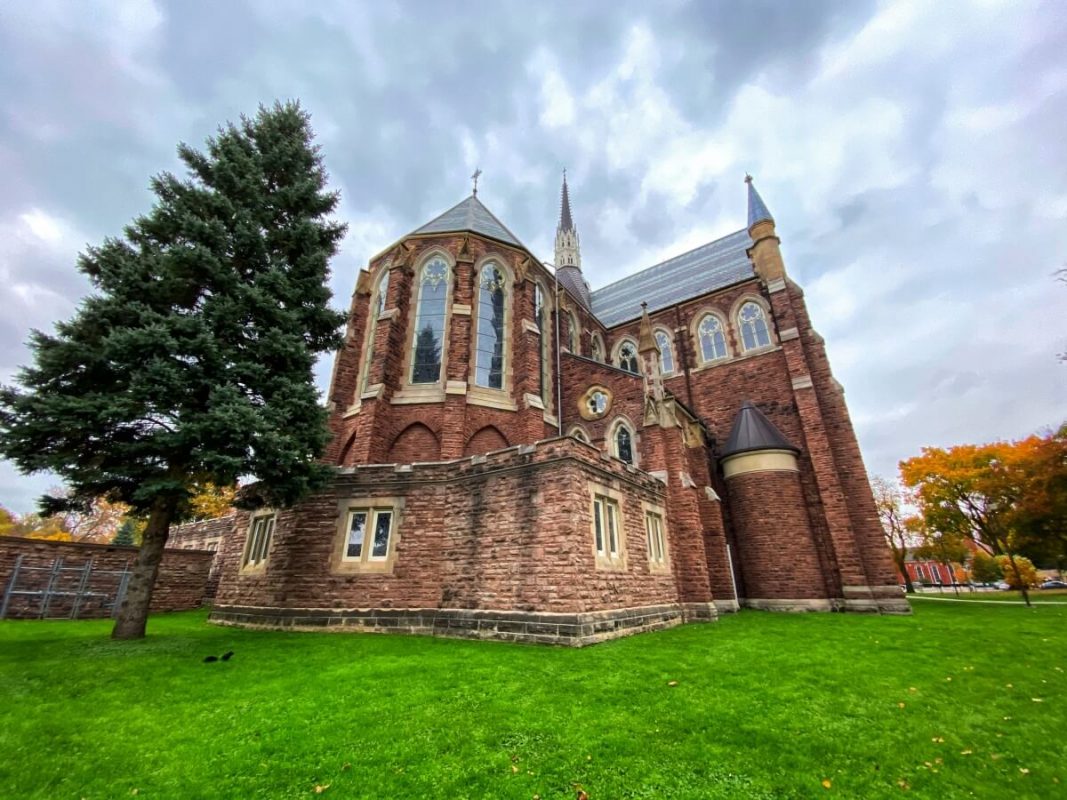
(757, 209)
(753, 431)
(711, 266)
(471, 215)
(565, 221)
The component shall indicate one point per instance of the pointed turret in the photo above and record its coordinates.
(568, 251)
(752, 431)
(648, 352)
(765, 253)
(757, 209)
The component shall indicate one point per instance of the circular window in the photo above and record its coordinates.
(595, 402)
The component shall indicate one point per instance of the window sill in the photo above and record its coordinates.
(419, 393)
(605, 564)
(490, 398)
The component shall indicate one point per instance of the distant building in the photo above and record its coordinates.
(521, 457)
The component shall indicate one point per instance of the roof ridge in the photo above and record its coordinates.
(669, 260)
(498, 221)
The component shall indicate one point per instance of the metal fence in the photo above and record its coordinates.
(59, 592)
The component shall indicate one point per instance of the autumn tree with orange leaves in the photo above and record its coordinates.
(1007, 496)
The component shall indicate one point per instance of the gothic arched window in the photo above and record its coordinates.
(628, 357)
(377, 306)
(753, 324)
(431, 311)
(624, 445)
(596, 348)
(489, 347)
(541, 320)
(574, 337)
(712, 338)
(666, 352)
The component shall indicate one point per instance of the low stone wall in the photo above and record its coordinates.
(183, 576)
(204, 535)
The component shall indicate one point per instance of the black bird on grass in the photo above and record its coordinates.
(225, 657)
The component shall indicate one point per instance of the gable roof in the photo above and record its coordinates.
(711, 266)
(470, 215)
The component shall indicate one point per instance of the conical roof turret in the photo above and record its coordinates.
(753, 431)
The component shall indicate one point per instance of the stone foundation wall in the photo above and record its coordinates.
(574, 630)
(510, 530)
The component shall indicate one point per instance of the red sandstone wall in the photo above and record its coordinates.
(204, 535)
(512, 532)
(183, 574)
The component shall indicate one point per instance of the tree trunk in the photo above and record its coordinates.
(1019, 580)
(133, 613)
(900, 557)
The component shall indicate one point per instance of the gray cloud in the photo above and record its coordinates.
(911, 153)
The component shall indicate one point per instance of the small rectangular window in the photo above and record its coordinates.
(606, 533)
(657, 546)
(260, 534)
(379, 522)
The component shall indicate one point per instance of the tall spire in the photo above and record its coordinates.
(565, 221)
(757, 209)
(568, 253)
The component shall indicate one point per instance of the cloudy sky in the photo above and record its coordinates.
(912, 153)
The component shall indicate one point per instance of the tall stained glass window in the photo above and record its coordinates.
(490, 345)
(429, 341)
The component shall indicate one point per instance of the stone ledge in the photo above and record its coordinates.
(573, 630)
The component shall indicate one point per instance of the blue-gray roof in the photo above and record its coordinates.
(757, 209)
(712, 266)
(470, 215)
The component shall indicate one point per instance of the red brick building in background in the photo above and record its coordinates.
(520, 457)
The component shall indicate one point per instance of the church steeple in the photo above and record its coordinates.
(568, 252)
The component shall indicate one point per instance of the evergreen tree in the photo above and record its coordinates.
(125, 534)
(192, 359)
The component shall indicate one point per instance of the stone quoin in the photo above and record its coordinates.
(520, 457)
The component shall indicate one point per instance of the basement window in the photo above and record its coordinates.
(260, 535)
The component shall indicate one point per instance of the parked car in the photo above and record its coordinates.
(1054, 584)
(1002, 585)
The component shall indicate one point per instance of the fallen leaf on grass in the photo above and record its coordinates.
(900, 705)
(672, 683)
(912, 689)
(514, 770)
(1037, 699)
(322, 787)
(938, 740)
(826, 783)
(1024, 770)
(994, 756)
(903, 784)
(966, 752)
(1007, 717)
(345, 766)
(1008, 685)
(581, 796)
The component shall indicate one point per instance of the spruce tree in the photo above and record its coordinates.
(192, 359)
(125, 534)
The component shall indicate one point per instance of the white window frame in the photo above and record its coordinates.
(259, 540)
(372, 513)
(656, 538)
(607, 554)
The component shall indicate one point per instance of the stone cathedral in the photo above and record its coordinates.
(519, 456)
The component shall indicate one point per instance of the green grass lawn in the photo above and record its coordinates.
(959, 700)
